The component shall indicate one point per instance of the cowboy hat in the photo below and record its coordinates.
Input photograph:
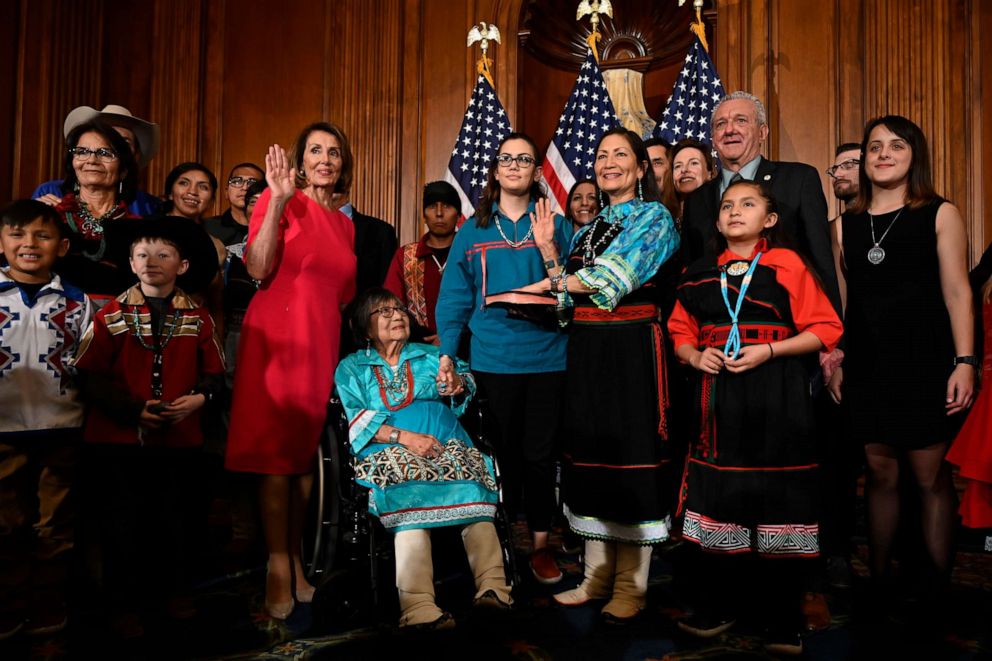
(195, 246)
(145, 133)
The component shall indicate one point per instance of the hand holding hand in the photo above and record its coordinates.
(835, 384)
(279, 174)
(447, 379)
(709, 360)
(543, 221)
(749, 357)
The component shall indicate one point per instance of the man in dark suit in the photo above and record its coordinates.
(739, 129)
(375, 244)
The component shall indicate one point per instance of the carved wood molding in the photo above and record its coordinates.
(640, 36)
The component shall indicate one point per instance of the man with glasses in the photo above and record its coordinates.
(141, 136)
(844, 172)
(740, 129)
(231, 227)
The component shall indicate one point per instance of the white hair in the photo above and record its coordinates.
(759, 107)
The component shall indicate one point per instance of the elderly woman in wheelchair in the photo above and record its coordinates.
(418, 462)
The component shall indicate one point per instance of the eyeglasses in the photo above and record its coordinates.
(386, 311)
(103, 154)
(242, 182)
(523, 161)
(849, 164)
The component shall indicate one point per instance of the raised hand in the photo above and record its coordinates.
(279, 174)
(543, 220)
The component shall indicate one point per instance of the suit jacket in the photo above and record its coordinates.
(375, 245)
(802, 213)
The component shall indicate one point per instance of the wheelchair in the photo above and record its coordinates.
(345, 543)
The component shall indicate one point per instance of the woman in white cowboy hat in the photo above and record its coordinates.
(141, 136)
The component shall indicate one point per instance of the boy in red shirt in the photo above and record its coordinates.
(148, 363)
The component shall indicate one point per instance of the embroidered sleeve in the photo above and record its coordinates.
(647, 240)
(363, 419)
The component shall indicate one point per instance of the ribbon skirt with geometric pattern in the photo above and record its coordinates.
(749, 484)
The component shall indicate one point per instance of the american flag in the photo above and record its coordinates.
(697, 91)
(588, 114)
(483, 128)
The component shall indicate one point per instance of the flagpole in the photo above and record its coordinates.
(592, 9)
(484, 33)
(699, 28)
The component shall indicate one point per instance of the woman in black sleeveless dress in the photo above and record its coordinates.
(909, 370)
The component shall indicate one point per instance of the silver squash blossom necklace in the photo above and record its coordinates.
(876, 254)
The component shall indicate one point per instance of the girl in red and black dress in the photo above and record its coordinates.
(743, 321)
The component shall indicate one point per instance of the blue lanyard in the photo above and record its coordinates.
(733, 346)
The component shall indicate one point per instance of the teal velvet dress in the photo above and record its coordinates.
(408, 491)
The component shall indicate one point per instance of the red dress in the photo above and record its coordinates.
(289, 340)
(972, 449)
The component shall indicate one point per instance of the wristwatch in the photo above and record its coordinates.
(967, 360)
(394, 436)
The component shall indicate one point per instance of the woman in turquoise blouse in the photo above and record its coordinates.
(419, 464)
(519, 363)
(616, 477)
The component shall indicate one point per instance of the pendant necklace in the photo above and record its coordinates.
(512, 244)
(876, 254)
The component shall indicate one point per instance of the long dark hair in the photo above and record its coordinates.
(343, 184)
(180, 170)
(652, 191)
(127, 167)
(490, 194)
(920, 186)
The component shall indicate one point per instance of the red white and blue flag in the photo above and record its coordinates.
(588, 114)
(696, 92)
(483, 128)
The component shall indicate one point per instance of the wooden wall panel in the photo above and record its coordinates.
(176, 85)
(363, 94)
(57, 72)
(10, 21)
(225, 80)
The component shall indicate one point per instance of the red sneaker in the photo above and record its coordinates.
(544, 567)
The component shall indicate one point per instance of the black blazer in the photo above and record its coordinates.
(375, 246)
(802, 212)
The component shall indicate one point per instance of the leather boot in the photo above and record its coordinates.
(600, 559)
(630, 583)
(485, 557)
(415, 578)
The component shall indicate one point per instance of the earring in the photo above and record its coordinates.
(599, 196)
(368, 348)
(75, 187)
(640, 189)
(121, 187)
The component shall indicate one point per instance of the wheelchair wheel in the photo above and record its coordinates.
(322, 538)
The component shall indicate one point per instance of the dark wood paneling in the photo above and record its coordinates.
(10, 19)
(225, 80)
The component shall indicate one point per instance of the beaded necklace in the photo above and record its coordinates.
(90, 227)
(513, 244)
(168, 326)
(589, 247)
(400, 385)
